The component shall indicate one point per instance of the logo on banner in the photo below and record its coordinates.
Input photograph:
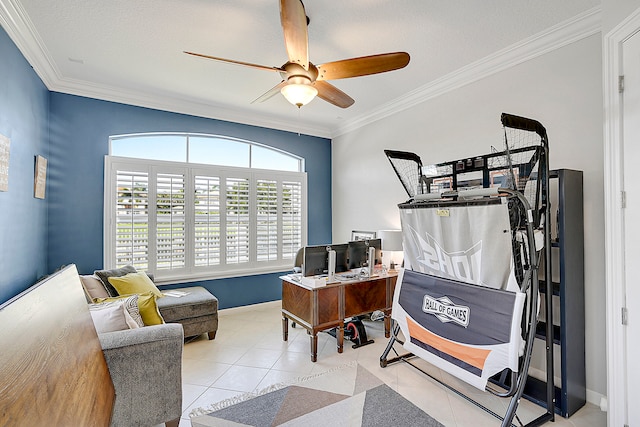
(446, 311)
(462, 265)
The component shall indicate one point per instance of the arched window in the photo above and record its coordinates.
(187, 206)
(204, 149)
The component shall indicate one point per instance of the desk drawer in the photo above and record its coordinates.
(297, 301)
(365, 297)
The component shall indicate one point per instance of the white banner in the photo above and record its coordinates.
(470, 244)
(458, 301)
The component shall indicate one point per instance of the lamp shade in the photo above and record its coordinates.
(391, 240)
(299, 94)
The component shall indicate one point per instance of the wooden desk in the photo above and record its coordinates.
(325, 307)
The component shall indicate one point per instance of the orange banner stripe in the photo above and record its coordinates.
(471, 355)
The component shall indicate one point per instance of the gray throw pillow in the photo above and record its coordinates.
(116, 272)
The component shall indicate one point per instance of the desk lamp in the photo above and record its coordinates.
(391, 242)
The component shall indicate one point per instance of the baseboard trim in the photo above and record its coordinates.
(250, 307)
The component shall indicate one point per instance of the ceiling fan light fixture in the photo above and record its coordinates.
(299, 94)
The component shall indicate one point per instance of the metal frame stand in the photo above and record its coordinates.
(514, 384)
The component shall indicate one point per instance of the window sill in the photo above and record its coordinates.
(199, 277)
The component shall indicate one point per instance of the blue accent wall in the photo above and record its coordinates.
(24, 105)
(38, 236)
(79, 135)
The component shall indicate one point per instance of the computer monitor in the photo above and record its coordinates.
(315, 260)
(377, 244)
(359, 252)
(342, 257)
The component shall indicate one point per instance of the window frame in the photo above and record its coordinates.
(190, 171)
(188, 135)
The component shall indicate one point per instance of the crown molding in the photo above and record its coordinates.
(20, 29)
(184, 106)
(22, 32)
(577, 28)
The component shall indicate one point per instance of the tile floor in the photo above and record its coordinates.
(248, 354)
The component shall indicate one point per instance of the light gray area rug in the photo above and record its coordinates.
(348, 395)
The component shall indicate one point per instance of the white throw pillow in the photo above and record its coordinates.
(130, 304)
(108, 317)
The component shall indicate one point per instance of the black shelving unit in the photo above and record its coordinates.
(568, 330)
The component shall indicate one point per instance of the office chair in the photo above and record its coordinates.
(297, 264)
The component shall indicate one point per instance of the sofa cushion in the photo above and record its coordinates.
(116, 272)
(133, 324)
(149, 309)
(109, 317)
(197, 302)
(134, 283)
(146, 305)
(130, 304)
(93, 287)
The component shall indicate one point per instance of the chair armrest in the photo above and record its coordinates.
(146, 369)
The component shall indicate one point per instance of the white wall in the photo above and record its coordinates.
(615, 11)
(562, 90)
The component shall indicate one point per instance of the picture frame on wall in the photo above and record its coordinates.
(362, 235)
(40, 178)
(5, 144)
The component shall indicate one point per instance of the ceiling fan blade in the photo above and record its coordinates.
(363, 66)
(294, 27)
(248, 64)
(271, 92)
(332, 94)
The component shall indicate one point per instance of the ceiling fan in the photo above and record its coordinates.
(301, 79)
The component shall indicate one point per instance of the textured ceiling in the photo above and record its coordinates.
(131, 51)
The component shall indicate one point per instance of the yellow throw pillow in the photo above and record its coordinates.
(134, 283)
(146, 305)
(149, 309)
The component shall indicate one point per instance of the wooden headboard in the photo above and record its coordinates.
(52, 370)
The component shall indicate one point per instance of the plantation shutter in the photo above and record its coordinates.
(180, 222)
(267, 220)
(170, 221)
(132, 219)
(237, 220)
(207, 221)
(292, 226)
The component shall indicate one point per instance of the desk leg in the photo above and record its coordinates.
(387, 325)
(314, 346)
(285, 328)
(340, 337)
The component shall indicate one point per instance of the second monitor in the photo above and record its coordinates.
(316, 259)
(359, 253)
(353, 255)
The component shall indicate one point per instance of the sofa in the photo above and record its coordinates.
(141, 332)
(195, 308)
(58, 369)
(143, 350)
